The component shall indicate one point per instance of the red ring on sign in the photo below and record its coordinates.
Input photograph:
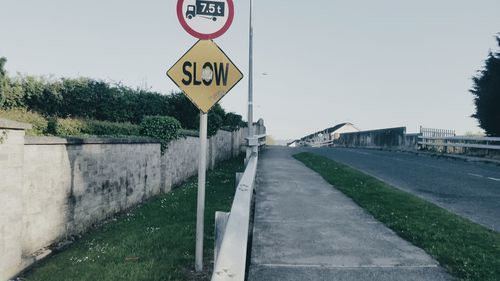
(203, 36)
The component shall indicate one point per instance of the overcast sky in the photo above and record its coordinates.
(376, 64)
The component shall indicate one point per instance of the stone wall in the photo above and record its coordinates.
(11, 199)
(68, 186)
(51, 188)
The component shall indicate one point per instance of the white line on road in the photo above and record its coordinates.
(480, 176)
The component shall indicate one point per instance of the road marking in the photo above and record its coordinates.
(479, 176)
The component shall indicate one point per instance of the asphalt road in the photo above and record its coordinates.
(469, 189)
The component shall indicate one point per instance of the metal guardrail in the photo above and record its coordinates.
(257, 140)
(231, 248)
(321, 144)
(461, 141)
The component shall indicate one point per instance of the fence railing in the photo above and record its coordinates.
(232, 230)
(463, 143)
(436, 133)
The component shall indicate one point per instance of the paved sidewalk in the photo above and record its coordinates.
(304, 229)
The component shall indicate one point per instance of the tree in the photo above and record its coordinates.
(182, 109)
(11, 92)
(234, 121)
(3, 61)
(486, 91)
(3, 74)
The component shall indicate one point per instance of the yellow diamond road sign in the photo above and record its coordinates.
(205, 74)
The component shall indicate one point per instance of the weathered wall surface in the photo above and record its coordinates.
(384, 138)
(179, 162)
(51, 188)
(11, 199)
(68, 187)
(411, 141)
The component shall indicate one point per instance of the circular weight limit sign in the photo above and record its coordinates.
(205, 19)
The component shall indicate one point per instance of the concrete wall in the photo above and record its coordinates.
(383, 138)
(411, 141)
(11, 198)
(52, 188)
(67, 186)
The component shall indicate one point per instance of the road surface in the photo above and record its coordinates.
(469, 189)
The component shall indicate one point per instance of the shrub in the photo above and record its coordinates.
(214, 123)
(91, 99)
(182, 109)
(106, 128)
(13, 94)
(41, 95)
(74, 127)
(38, 122)
(233, 121)
(163, 128)
(64, 127)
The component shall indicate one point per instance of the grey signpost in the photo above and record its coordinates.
(204, 20)
(200, 213)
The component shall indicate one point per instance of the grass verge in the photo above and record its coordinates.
(467, 250)
(155, 241)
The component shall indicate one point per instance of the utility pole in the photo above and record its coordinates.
(250, 81)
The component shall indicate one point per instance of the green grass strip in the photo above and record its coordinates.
(155, 241)
(465, 249)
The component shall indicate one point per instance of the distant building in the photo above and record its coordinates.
(325, 136)
(340, 129)
(294, 143)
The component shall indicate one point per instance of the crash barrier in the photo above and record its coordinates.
(383, 138)
(258, 141)
(461, 144)
(321, 144)
(232, 229)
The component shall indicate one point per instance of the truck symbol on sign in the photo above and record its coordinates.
(206, 9)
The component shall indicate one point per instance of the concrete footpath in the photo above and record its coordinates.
(304, 229)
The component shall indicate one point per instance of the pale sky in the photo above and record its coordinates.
(376, 64)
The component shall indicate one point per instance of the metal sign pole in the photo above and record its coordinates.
(200, 214)
(205, 20)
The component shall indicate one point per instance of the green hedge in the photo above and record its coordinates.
(113, 128)
(85, 98)
(38, 122)
(74, 127)
(163, 128)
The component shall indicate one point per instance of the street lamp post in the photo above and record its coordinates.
(250, 81)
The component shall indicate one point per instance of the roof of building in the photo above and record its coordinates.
(328, 130)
